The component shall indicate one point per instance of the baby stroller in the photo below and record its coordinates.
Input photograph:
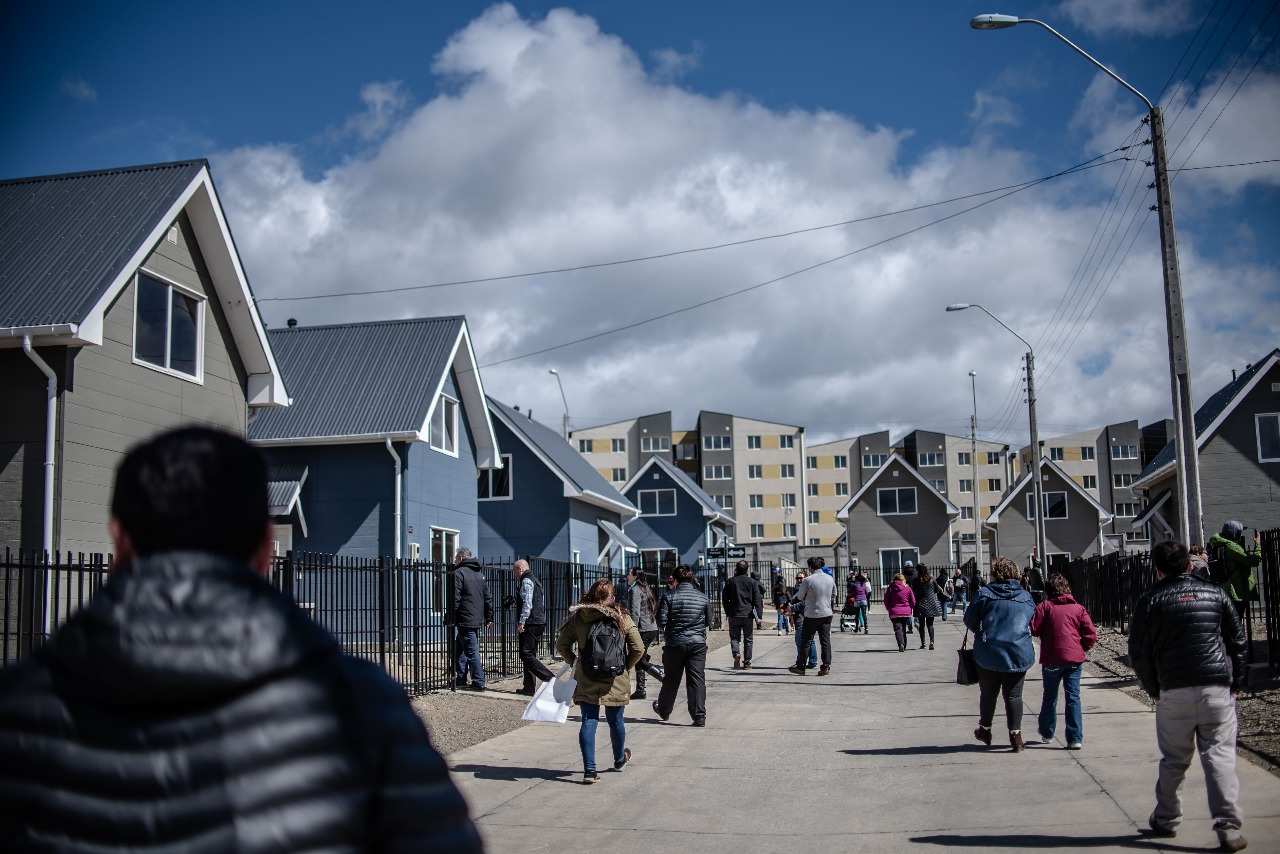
(849, 615)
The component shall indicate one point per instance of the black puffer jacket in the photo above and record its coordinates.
(472, 601)
(741, 597)
(1185, 632)
(191, 707)
(684, 615)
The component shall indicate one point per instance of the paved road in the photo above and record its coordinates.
(879, 756)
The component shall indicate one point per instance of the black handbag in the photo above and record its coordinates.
(966, 667)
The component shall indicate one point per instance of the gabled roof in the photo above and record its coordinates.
(364, 382)
(73, 242)
(843, 512)
(1148, 513)
(1210, 415)
(284, 491)
(1104, 515)
(710, 508)
(580, 478)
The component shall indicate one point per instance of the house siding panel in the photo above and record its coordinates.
(348, 498)
(440, 490)
(22, 446)
(684, 532)
(1077, 534)
(112, 403)
(1233, 484)
(534, 523)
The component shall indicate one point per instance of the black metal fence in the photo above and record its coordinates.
(393, 612)
(1109, 586)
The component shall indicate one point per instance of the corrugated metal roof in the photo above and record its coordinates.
(283, 483)
(358, 379)
(65, 238)
(583, 475)
(1210, 410)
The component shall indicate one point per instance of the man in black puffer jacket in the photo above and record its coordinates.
(684, 616)
(192, 707)
(1187, 647)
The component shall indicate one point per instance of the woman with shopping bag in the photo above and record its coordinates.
(603, 644)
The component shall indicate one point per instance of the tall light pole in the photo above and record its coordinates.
(556, 374)
(973, 459)
(1036, 485)
(1184, 439)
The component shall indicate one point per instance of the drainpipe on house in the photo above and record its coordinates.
(50, 429)
(398, 499)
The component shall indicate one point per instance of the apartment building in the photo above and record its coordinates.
(1104, 462)
(618, 450)
(758, 468)
(828, 476)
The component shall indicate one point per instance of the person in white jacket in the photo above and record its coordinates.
(815, 593)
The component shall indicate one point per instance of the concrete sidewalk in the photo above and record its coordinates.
(879, 756)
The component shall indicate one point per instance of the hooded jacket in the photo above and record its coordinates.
(472, 602)
(573, 636)
(192, 707)
(1000, 619)
(899, 601)
(1240, 584)
(643, 609)
(1185, 633)
(1065, 630)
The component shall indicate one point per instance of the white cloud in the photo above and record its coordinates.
(554, 147)
(76, 87)
(672, 64)
(1141, 17)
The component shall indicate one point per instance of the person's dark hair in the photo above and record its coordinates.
(193, 489)
(816, 563)
(1002, 569)
(1171, 558)
(1059, 585)
(925, 576)
(741, 567)
(646, 593)
(684, 574)
(601, 594)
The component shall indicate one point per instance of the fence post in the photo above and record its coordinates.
(383, 594)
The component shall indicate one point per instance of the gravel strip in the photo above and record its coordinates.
(1257, 708)
(459, 719)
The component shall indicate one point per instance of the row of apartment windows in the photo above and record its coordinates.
(994, 484)
(788, 530)
(964, 458)
(840, 462)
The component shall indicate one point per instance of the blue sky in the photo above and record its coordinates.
(392, 145)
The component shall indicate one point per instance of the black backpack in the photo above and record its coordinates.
(603, 655)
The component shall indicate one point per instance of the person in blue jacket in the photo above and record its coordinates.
(1000, 619)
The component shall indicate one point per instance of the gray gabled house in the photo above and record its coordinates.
(1238, 437)
(547, 500)
(124, 310)
(1074, 521)
(379, 454)
(898, 516)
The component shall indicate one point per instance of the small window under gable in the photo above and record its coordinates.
(444, 426)
(168, 327)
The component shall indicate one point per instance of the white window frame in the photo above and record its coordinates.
(725, 501)
(753, 443)
(896, 489)
(618, 475)
(450, 423)
(789, 529)
(1122, 480)
(450, 543)
(657, 501)
(999, 484)
(815, 541)
(963, 458)
(874, 461)
(755, 501)
(757, 531)
(840, 461)
(993, 458)
(488, 475)
(1126, 449)
(787, 471)
(842, 489)
(939, 485)
(755, 472)
(717, 472)
(966, 513)
(1090, 477)
(787, 441)
(904, 555)
(198, 376)
(1066, 505)
(586, 446)
(789, 499)
(1257, 429)
(811, 490)
(717, 442)
(966, 482)
(1057, 455)
(618, 446)
(810, 463)
(932, 458)
(1088, 452)
(1132, 507)
(815, 517)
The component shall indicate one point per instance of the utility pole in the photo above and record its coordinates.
(1037, 483)
(973, 459)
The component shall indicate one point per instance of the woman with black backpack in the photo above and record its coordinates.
(603, 643)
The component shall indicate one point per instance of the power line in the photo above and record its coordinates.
(1088, 164)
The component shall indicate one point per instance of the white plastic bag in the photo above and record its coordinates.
(553, 698)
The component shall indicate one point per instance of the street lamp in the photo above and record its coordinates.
(556, 374)
(1184, 439)
(973, 460)
(1036, 486)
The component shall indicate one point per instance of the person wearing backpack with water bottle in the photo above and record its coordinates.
(603, 642)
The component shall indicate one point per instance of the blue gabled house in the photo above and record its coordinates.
(379, 453)
(677, 519)
(546, 500)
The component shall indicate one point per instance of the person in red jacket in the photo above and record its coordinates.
(900, 602)
(1066, 633)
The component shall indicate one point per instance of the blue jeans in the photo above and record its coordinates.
(784, 625)
(813, 643)
(1068, 675)
(469, 657)
(587, 734)
(958, 601)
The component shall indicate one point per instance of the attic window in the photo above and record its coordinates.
(168, 327)
(444, 426)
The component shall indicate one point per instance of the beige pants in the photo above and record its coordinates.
(1200, 719)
